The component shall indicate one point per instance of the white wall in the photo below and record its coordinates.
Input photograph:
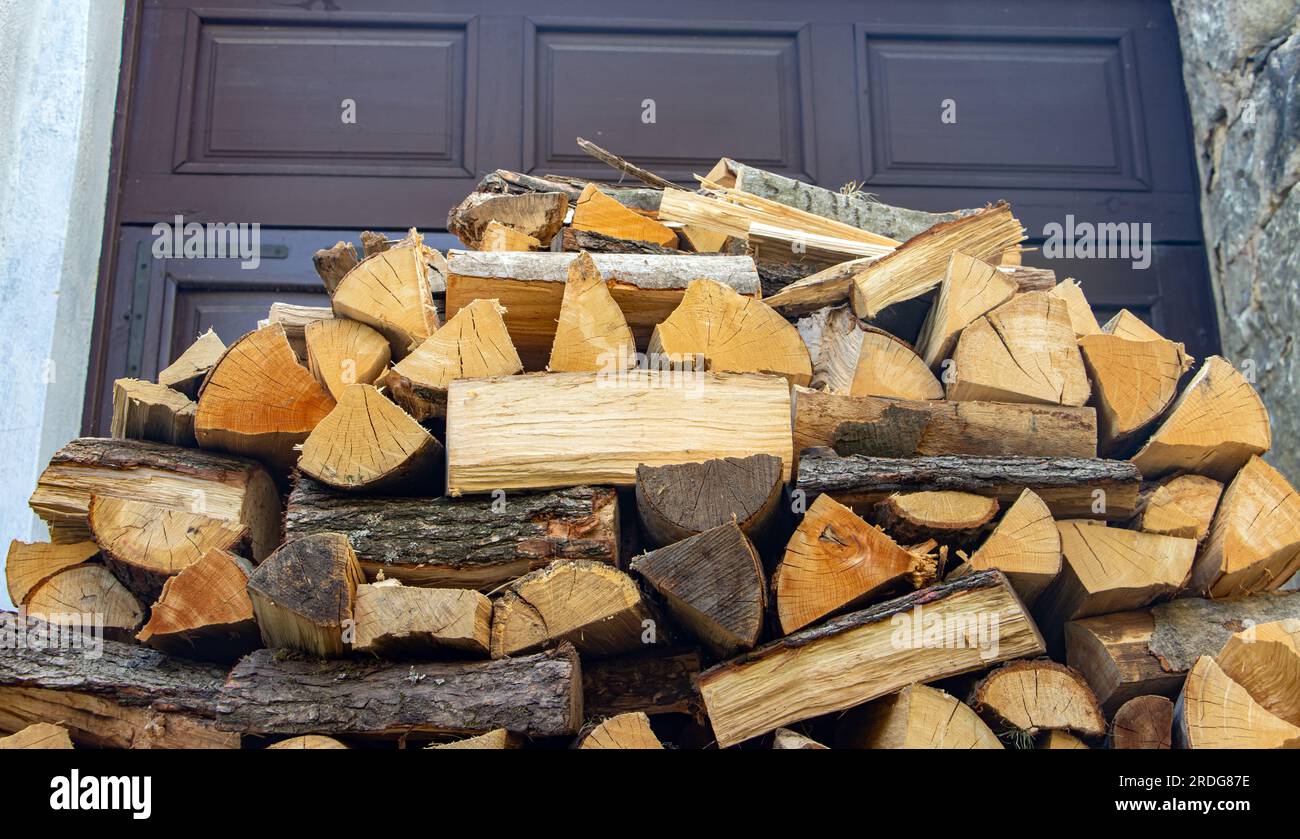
(58, 84)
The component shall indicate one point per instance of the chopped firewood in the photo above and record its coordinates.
(1265, 660)
(593, 242)
(654, 682)
(701, 239)
(146, 411)
(679, 417)
(1082, 320)
(950, 517)
(647, 288)
(205, 612)
(786, 739)
(681, 500)
(84, 596)
(1033, 696)
(537, 695)
(1025, 546)
(295, 320)
(1183, 506)
(1215, 425)
(917, 717)
(393, 620)
(733, 334)
(888, 367)
(368, 443)
(304, 594)
(390, 291)
(187, 372)
(472, 344)
(873, 653)
(598, 212)
(828, 287)
(505, 182)
(1133, 383)
(833, 337)
(1129, 326)
(227, 488)
(713, 585)
(970, 288)
(592, 334)
(498, 237)
(145, 543)
(1143, 722)
(1022, 351)
(1068, 485)
(836, 561)
(41, 735)
(373, 243)
(958, 428)
(333, 264)
(538, 215)
(626, 167)
(1109, 569)
(478, 542)
(592, 605)
(1254, 542)
(31, 563)
(626, 731)
(260, 402)
(772, 243)
(308, 741)
(919, 263)
(1214, 712)
(343, 352)
(497, 738)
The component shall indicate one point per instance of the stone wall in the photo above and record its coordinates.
(1241, 62)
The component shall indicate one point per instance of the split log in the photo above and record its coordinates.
(472, 344)
(1034, 696)
(188, 371)
(537, 695)
(837, 561)
(1214, 712)
(592, 334)
(393, 620)
(1082, 320)
(917, 717)
(1109, 569)
(497, 738)
(498, 237)
(826, 288)
(295, 319)
(681, 500)
(1144, 722)
(626, 731)
(1254, 543)
(333, 264)
(833, 337)
(342, 352)
(1129, 326)
(531, 288)
(680, 417)
(227, 488)
(538, 215)
(86, 598)
(41, 735)
(784, 681)
(1265, 660)
(1182, 506)
(465, 542)
(146, 411)
(713, 585)
(259, 401)
(918, 265)
(29, 564)
(205, 612)
(887, 367)
(1022, 351)
(304, 593)
(1067, 485)
(1214, 426)
(970, 288)
(594, 606)
(1025, 546)
(732, 333)
(948, 517)
(787, 740)
(308, 741)
(655, 682)
(390, 291)
(597, 211)
(145, 543)
(1133, 383)
(369, 444)
(957, 428)
(100, 723)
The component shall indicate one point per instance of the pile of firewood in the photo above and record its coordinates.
(759, 463)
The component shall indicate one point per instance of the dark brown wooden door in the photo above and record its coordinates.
(236, 114)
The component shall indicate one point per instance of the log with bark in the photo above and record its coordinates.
(1041, 695)
(397, 621)
(653, 682)
(681, 500)
(1143, 722)
(954, 518)
(505, 182)
(589, 240)
(146, 411)
(917, 717)
(304, 594)
(205, 612)
(188, 371)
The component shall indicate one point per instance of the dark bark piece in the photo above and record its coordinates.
(594, 242)
(713, 584)
(1066, 484)
(1144, 722)
(537, 695)
(656, 682)
(682, 500)
(332, 264)
(303, 594)
(468, 542)
(1184, 630)
(505, 182)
